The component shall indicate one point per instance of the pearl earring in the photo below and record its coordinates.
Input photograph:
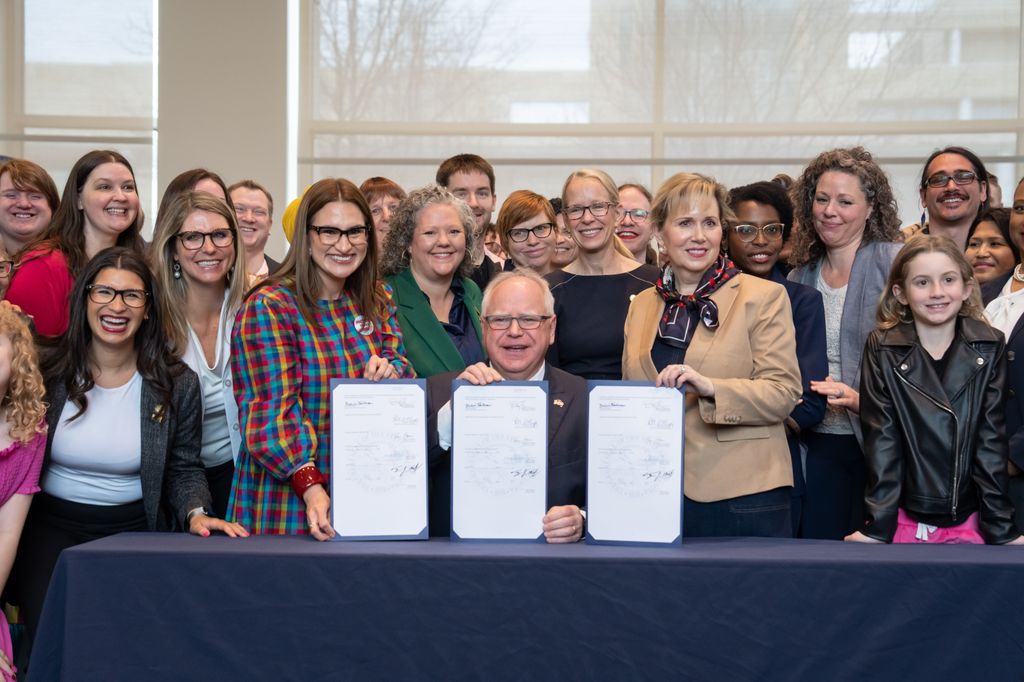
(177, 270)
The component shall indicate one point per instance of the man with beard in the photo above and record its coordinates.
(954, 191)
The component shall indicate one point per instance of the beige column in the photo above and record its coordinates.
(222, 94)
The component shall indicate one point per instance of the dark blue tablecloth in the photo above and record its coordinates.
(178, 607)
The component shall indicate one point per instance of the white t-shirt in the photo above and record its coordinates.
(96, 459)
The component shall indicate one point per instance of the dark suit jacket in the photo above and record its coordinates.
(809, 323)
(427, 345)
(173, 482)
(1014, 377)
(272, 265)
(567, 445)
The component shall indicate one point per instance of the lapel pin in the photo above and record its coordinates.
(558, 402)
(158, 414)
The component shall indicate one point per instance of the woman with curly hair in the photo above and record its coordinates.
(846, 237)
(427, 260)
(23, 438)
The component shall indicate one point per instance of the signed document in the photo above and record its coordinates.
(379, 459)
(634, 464)
(499, 460)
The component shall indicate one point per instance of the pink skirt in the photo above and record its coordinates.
(910, 531)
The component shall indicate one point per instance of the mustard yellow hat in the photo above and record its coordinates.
(288, 217)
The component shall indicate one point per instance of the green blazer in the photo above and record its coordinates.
(427, 344)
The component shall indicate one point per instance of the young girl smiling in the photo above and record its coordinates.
(932, 392)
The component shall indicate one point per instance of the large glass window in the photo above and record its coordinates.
(644, 88)
(85, 81)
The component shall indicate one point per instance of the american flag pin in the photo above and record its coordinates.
(558, 402)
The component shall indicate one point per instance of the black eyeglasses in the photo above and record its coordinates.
(6, 268)
(525, 321)
(598, 210)
(193, 241)
(771, 231)
(638, 215)
(133, 298)
(959, 177)
(521, 234)
(330, 236)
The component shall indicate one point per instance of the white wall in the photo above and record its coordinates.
(222, 94)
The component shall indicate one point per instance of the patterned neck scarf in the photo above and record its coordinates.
(683, 313)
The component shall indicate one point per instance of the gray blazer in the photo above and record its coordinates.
(867, 281)
(173, 482)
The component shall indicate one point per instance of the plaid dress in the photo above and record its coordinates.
(282, 368)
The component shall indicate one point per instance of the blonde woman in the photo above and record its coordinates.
(593, 292)
(728, 339)
(200, 267)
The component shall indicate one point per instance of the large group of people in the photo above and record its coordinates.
(844, 378)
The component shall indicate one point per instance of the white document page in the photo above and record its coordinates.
(634, 464)
(379, 450)
(499, 460)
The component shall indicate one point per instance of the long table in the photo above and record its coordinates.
(177, 607)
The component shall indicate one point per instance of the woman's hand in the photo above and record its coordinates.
(837, 393)
(318, 512)
(378, 368)
(563, 524)
(203, 525)
(1018, 541)
(857, 536)
(675, 376)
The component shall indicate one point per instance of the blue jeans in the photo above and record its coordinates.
(764, 514)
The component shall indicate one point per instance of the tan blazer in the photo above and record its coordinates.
(734, 443)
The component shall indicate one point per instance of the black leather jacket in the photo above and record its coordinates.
(935, 447)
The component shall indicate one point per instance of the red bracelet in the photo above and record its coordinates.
(305, 478)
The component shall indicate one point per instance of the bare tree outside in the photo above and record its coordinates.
(387, 60)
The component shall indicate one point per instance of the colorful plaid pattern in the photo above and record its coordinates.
(282, 369)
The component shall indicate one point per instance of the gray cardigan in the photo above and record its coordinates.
(867, 281)
(173, 482)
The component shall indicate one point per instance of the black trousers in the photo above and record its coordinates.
(52, 526)
(835, 479)
(219, 478)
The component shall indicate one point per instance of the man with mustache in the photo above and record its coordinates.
(954, 191)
